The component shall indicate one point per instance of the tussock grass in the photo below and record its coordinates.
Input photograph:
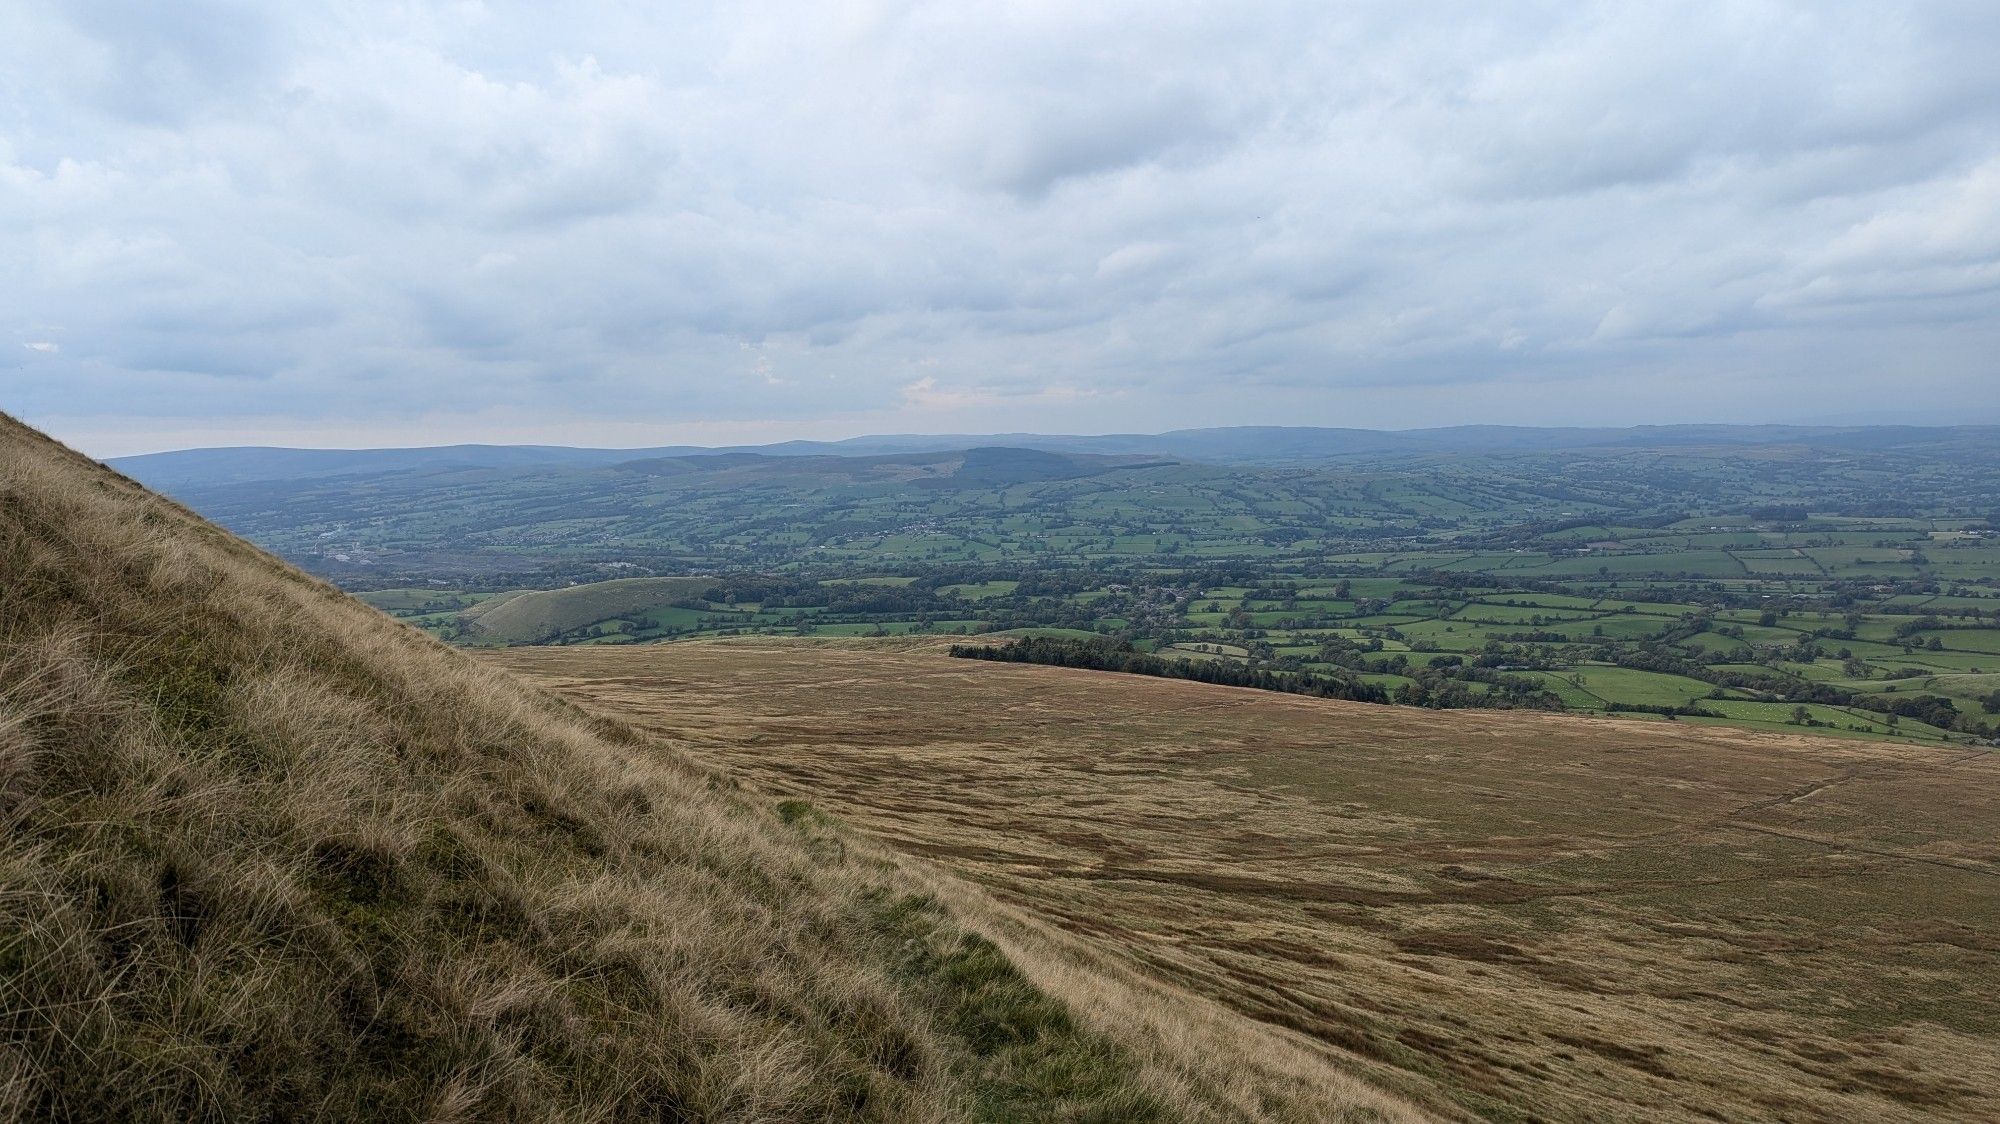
(270, 855)
(1526, 916)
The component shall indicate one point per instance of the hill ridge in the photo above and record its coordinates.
(1242, 444)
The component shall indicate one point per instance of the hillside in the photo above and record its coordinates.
(270, 854)
(537, 615)
(1549, 918)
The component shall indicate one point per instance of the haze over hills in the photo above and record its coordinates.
(195, 468)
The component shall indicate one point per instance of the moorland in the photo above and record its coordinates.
(1541, 917)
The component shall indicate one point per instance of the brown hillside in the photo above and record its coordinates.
(1548, 917)
(270, 855)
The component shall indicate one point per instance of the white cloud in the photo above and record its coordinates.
(1044, 216)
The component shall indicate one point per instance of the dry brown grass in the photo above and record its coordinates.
(1547, 918)
(270, 855)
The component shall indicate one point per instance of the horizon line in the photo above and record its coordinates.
(917, 435)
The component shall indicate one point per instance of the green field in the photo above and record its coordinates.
(1787, 584)
(1437, 640)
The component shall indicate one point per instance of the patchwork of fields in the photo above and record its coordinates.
(1643, 505)
(1527, 916)
(1845, 581)
(1897, 652)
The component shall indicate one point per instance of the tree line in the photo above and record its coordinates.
(1110, 655)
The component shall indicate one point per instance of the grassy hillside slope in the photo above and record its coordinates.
(537, 615)
(1550, 918)
(268, 854)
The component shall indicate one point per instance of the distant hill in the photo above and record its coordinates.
(204, 468)
(954, 468)
(496, 517)
(271, 855)
(208, 467)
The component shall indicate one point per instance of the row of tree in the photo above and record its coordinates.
(1442, 687)
(1111, 655)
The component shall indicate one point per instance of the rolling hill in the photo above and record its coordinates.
(545, 517)
(269, 855)
(189, 468)
(535, 615)
(1270, 444)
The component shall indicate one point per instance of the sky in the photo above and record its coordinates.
(397, 223)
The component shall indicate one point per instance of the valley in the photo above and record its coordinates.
(1842, 581)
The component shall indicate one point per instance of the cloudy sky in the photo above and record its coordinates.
(413, 223)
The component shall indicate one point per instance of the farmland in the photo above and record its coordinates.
(1845, 582)
(1887, 651)
(1529, 916)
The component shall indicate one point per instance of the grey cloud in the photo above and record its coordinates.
(162, 62)
(1084, 138)
(1061, 216)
